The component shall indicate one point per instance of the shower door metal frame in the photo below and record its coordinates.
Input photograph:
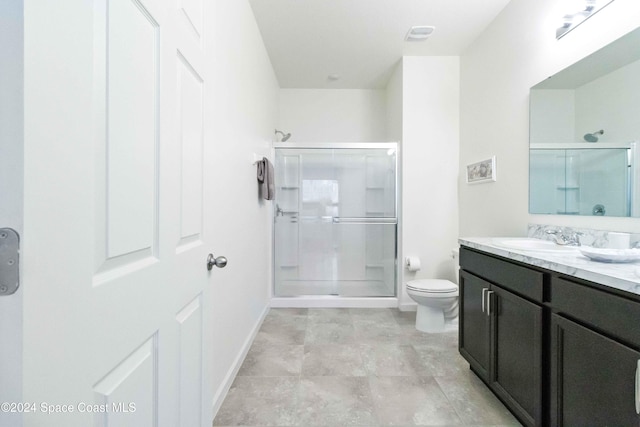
(342, 146)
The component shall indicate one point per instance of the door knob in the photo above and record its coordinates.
(219, 262)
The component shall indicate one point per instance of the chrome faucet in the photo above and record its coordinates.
(565, 237)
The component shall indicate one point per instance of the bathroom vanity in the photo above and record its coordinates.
(555, 336)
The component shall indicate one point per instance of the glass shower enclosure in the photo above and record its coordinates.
(582, 181)
(335, 221)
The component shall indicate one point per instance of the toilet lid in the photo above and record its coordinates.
(432, 285)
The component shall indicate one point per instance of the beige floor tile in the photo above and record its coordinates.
(340, 401)
(271, 360)
(332, 360)
(411, 401)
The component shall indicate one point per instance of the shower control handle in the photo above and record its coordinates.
(220, 262)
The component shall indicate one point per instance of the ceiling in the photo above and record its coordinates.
(362, 40)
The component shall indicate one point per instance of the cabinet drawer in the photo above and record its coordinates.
(611, 314)
(521, 280)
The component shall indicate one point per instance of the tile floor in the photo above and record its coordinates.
(356, 367)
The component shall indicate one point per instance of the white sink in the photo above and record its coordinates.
(527, 244)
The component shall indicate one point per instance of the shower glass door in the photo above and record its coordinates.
(335, 221)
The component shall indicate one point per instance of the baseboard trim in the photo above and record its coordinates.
(408, 307)
(334, 302)
(222, 391)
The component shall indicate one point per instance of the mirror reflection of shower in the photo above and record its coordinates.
(594, 179)
(593, 137)
(285, 136)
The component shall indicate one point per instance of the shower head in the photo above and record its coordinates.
(593, 137)
(285, 136)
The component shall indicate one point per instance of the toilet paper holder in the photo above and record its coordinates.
(412, 263)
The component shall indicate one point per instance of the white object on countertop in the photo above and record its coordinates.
(619, 240)
(610, 255)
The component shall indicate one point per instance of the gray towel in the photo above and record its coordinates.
(265, 178)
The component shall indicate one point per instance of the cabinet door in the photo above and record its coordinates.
(516, 371)
(474, 323)
(593, 378)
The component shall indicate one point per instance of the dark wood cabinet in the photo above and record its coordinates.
(474, 324)
(500, 336)
(516, 374)
(556, 350)
(593, 378)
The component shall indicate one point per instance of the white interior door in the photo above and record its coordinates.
(114, 282)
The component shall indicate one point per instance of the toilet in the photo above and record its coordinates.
(437, 303)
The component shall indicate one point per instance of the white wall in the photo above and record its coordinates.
(11, 189)
(552, 116)
(333, 115)
(610, 103)
(242, 110)
(430, 144)
(517, 51)
(394, 105)
(394, 133)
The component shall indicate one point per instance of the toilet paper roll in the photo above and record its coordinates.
(413, 263)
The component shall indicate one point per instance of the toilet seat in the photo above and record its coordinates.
(436, 286)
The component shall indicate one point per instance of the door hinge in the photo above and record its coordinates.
(9, 261)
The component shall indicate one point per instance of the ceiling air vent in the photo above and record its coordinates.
(419, 33)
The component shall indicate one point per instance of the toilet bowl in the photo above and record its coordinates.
(437, 304)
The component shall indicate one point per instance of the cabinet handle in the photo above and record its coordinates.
(484, 290)
(489, 303)
(637, 394)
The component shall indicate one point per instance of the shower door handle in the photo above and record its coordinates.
(363, 220)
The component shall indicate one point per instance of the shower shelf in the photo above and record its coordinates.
(289, 187)
(573, 187)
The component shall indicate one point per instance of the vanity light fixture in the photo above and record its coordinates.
(419, 33)
(577, 11)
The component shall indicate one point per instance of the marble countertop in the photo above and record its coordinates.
(622, 276)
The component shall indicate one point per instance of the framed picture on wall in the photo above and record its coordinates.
(483, 171)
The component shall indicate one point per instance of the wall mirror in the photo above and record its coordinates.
(584, 135)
